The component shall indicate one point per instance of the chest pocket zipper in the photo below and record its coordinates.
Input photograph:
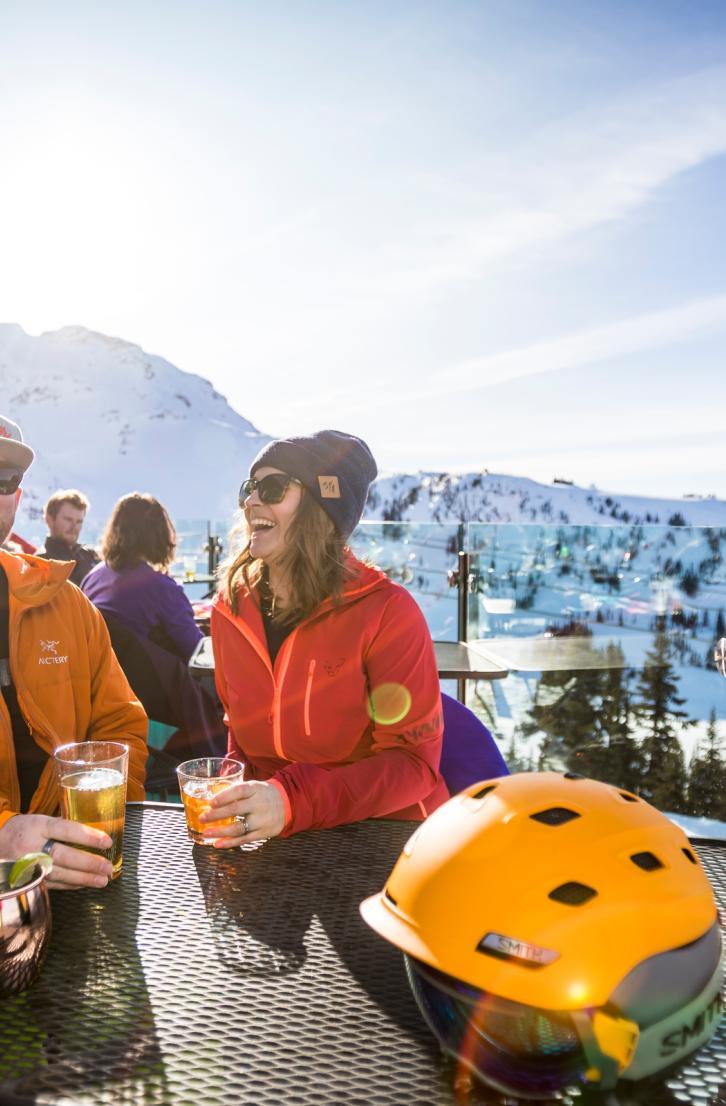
(308, 692)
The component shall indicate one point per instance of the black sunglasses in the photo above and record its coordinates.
(271, 488)
(10, 484)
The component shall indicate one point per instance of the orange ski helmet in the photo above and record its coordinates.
(557, 931)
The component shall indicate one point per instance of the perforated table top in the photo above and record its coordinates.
(247, 977)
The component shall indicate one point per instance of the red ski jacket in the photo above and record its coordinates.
(348, 721)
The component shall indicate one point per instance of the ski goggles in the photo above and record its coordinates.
(536, 1053)
(270, 489)
(512, 1047)
(10, 484)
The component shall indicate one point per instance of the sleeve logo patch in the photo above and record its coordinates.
(329, 487)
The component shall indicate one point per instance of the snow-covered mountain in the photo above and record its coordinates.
(494, 497)
(107, 417)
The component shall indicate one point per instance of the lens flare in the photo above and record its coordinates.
(389, 704)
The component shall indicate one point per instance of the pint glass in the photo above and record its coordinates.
(92, 777)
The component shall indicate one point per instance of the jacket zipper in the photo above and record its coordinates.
(308, 691)
(285, 653)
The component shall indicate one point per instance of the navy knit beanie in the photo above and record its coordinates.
(336, 469)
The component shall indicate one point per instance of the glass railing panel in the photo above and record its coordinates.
(609, 635)
(418, 556)
(196, 538)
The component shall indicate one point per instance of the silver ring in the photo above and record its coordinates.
(47, 848)
(243, 819)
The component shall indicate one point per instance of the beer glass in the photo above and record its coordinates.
(92, 777)
(199, 781)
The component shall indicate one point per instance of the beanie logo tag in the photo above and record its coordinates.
(329, 487)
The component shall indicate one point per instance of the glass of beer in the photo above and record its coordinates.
(92, 777)
(199, 781)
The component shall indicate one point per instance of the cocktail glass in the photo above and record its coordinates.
(92, 777)
(199, 781)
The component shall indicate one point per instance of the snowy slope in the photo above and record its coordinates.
(108, 418)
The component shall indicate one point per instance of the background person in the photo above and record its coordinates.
(152, 627)
(138, 546)
(65, 513)
(60, 681)
(325, 667)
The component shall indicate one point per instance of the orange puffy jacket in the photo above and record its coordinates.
(348, 721)
(70, 686)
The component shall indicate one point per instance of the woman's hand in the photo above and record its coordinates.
(72, 868)
(257, 808)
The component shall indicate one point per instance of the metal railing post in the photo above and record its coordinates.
(463, 602)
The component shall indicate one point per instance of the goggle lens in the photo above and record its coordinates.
(271, 488)
(10, 484)
(511, 1047)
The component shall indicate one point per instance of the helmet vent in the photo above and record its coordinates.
(555, 816)
(649, 862)
(387, 894)
(480, 794)
(573, 894)
(689, 856)
(628, 797)
(574, 776)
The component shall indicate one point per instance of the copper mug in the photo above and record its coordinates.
(25, 926)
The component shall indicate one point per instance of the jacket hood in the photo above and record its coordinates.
(33, 581)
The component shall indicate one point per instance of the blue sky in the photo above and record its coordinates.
(477, 234)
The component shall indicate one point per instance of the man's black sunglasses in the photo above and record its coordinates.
(10, 484)
(271, 488)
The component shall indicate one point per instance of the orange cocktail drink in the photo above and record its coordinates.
(199, 781)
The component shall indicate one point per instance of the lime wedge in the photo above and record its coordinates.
(27, 868)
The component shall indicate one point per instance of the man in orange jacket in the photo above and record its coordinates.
(59, 682)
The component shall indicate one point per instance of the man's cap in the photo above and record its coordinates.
(336, 469)
(15, 455)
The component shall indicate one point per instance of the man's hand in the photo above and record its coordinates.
(72, 868)
(257, 808)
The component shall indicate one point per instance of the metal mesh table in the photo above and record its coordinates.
(246, 977)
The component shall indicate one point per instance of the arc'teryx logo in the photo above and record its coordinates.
(51, 649)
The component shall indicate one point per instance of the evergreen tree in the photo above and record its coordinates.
(565, 709)
(707, 780)
(515, 762)
(623, 762)
(657, 710)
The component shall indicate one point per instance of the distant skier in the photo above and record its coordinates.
(65, 512)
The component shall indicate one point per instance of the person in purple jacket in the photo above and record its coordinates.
(131, 584)
(152, 625)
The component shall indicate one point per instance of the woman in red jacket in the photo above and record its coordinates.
(325, 667)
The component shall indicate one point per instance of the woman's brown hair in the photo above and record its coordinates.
(313, 563)
(139, 529)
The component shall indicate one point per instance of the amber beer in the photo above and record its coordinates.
(97, 797)
(92, 777)
(199, 781)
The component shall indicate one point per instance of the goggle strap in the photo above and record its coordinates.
(603, 1070)
(673, 1038)
(616, 1049)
